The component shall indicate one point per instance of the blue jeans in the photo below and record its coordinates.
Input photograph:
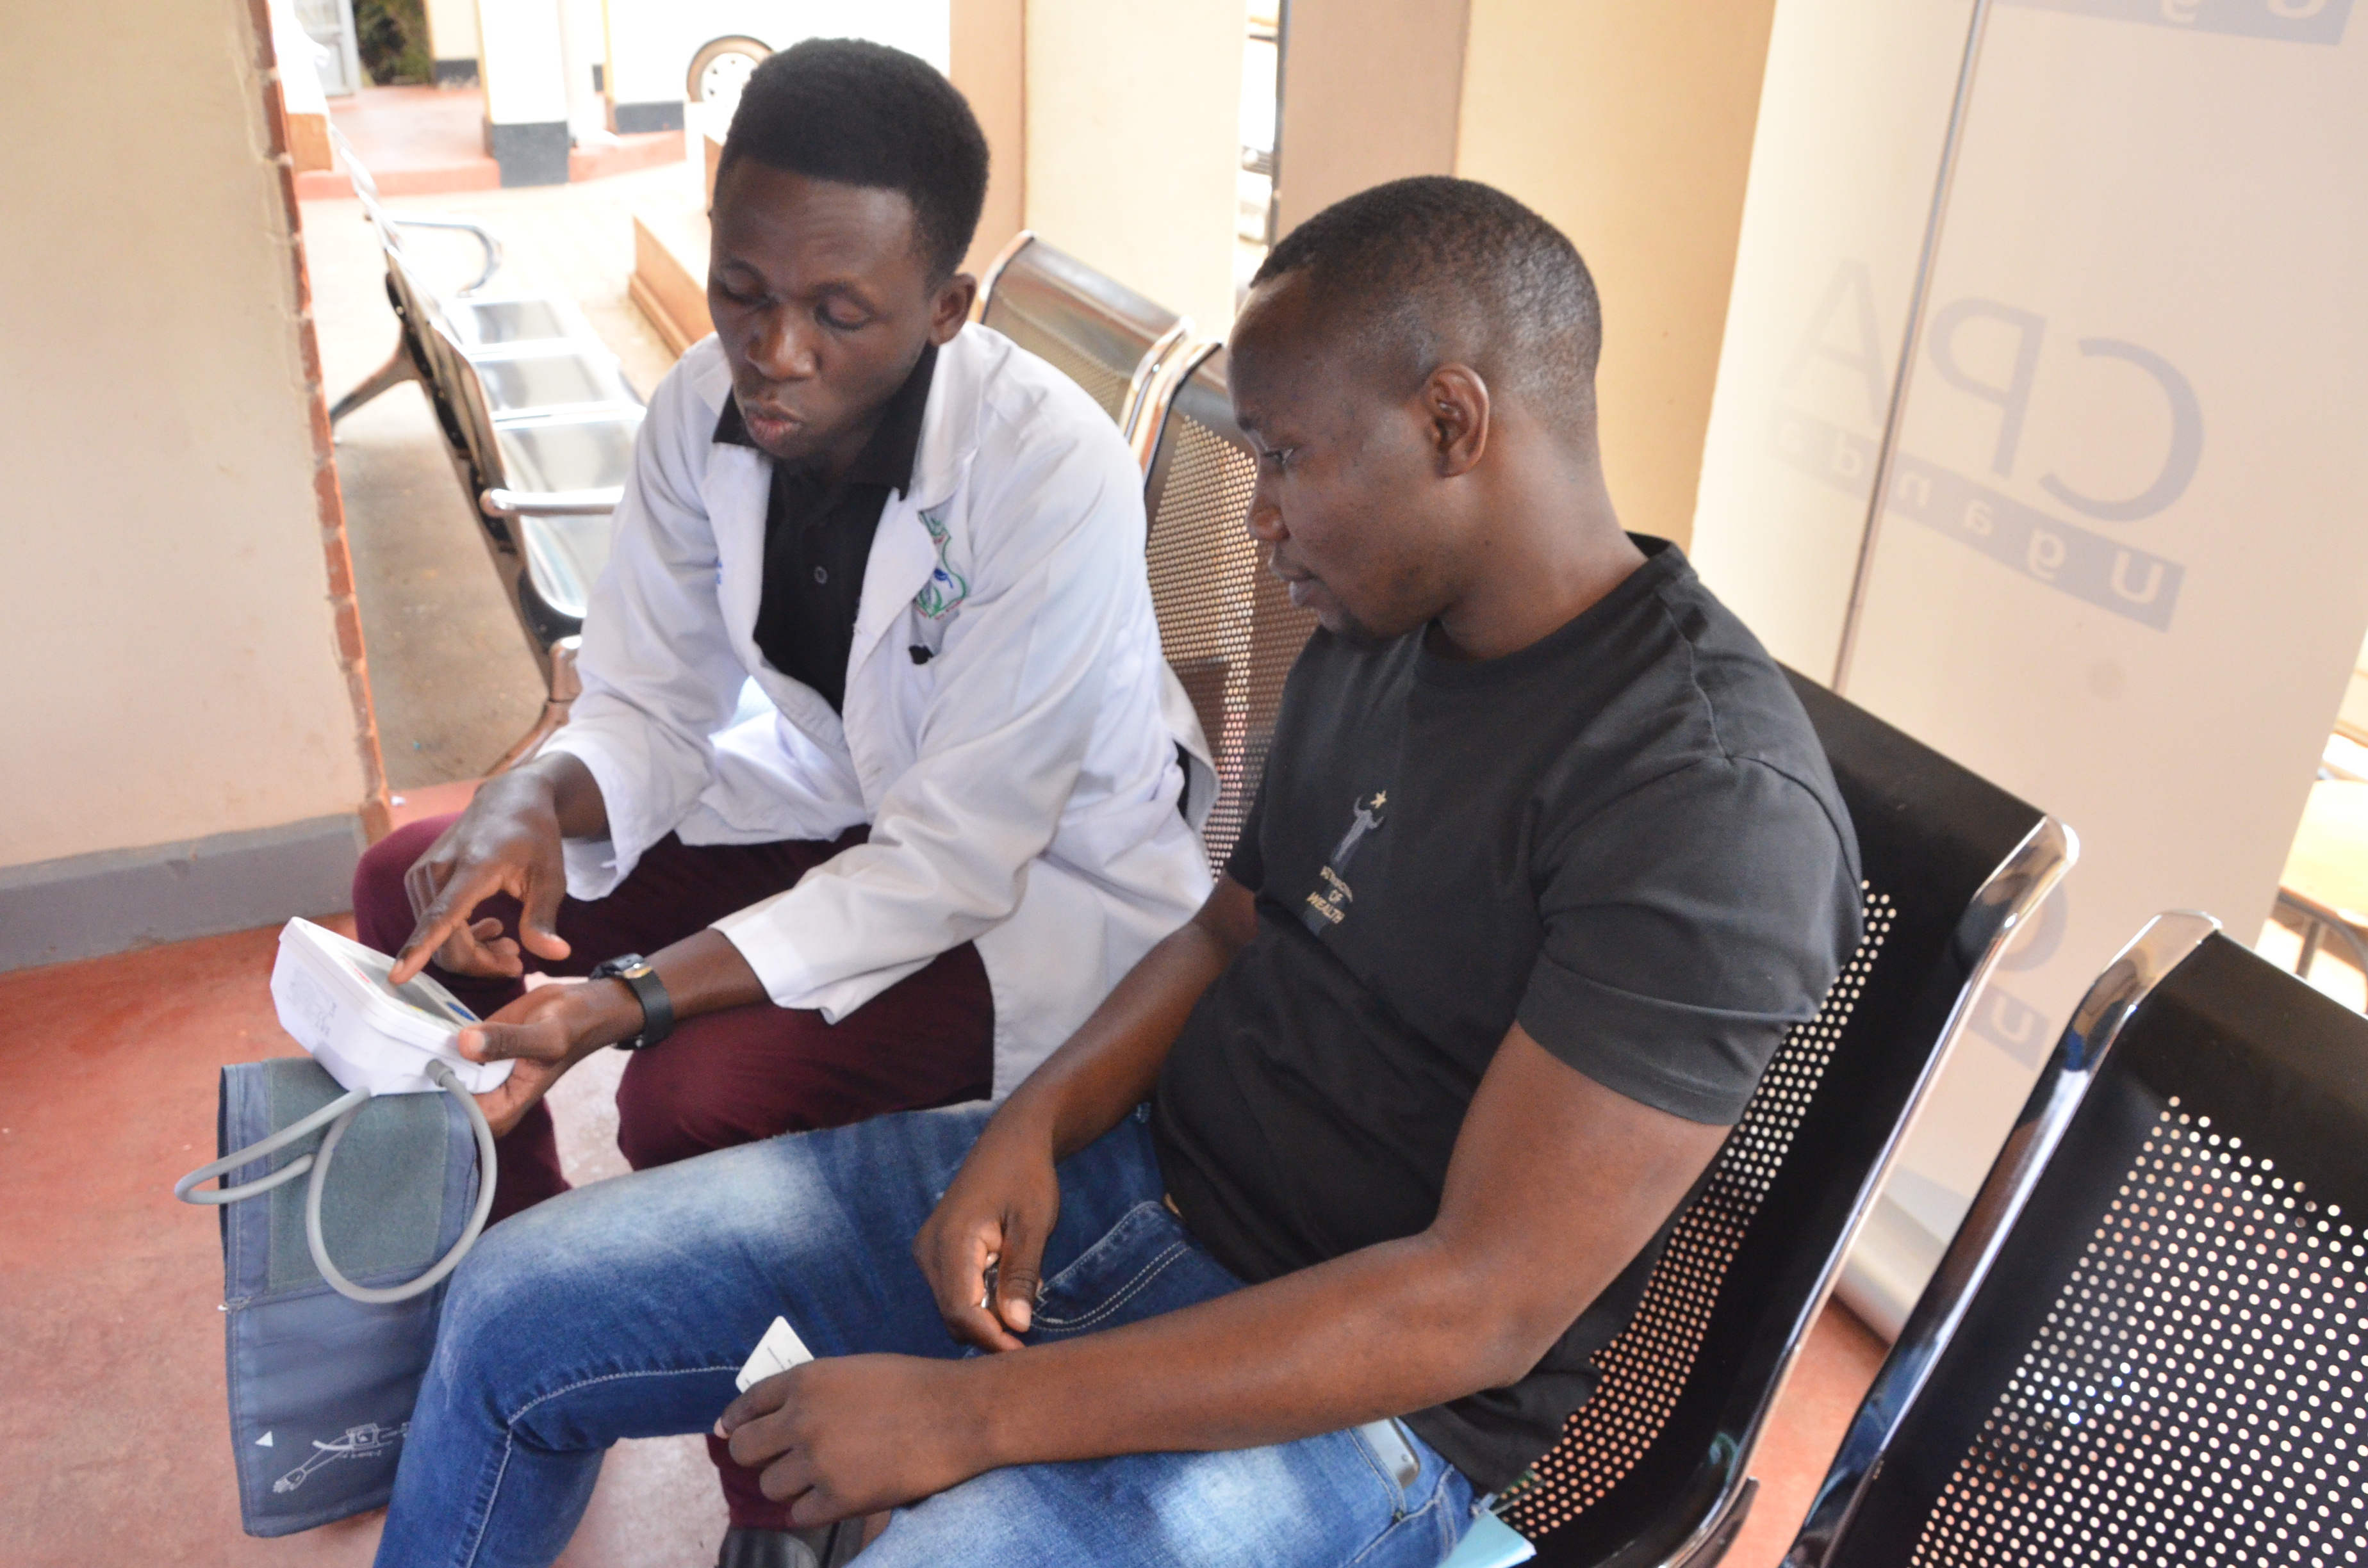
(625, 1309)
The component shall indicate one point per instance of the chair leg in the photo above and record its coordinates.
(2314, 929)
(566, 686)
(394, 373)
(546, 723)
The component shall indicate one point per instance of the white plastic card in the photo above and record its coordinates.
(776, 1352)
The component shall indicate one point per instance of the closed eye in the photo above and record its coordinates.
(1278, 459)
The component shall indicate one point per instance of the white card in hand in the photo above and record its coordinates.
(778, 1351)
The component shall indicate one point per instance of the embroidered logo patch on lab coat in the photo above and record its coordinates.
(946, 588)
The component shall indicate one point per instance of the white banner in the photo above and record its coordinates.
(2122, 569)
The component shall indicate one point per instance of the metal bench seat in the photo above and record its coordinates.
(534, 379)
(558, 453)
(525, 318)
(495, 323)
(2144, 1348)
(389, 226)
(565, 557)
(1096, 331)
(544, 480)
(539, 422)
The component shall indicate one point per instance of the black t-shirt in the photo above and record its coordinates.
(818, 538)
(1623, 836)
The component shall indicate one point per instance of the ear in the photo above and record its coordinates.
(1456, 402)
(950, 308)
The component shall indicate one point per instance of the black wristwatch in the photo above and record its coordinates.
(657, 1008)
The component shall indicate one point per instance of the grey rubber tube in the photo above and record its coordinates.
(343, 1106)
(446, 1080)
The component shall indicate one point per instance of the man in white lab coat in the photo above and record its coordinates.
(955, 818)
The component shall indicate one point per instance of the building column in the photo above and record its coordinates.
(522, 65)
(583, 53)
(644, 79)
(452, 41)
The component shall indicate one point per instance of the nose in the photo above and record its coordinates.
(1265, 521)
(779, 350)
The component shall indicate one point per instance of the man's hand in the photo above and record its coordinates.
(857, 1434)
(1000, 1208)
(995, 1216)
(547, 1031)
(507, 842)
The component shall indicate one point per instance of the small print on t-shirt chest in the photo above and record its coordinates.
(1328, 902)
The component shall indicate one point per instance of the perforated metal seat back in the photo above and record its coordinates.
(1643, 1463)
(1093, 330)
(1226, 624)
(2168, 1363)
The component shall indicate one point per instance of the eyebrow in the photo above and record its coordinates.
(835, 284)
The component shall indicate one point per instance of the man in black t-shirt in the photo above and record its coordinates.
(1621, 840)
(1300, 1247)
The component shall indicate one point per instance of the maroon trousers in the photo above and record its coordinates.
(721, 1078)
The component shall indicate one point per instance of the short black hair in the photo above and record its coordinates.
(862, 113)
(1432, 269)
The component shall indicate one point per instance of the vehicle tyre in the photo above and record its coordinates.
(719, 71)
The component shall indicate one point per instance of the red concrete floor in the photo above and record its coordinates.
(431, 141)
(414, 141)
(112, 1398)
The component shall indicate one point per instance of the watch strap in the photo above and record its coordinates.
(657, 1007)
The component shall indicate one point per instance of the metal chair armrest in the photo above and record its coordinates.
(484, 237)
(551, 503)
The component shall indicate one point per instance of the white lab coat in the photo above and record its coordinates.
(1021, 783)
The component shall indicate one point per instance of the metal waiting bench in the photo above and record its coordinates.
(539, 422)
(2145, 1346)
(1101, 334)
(1656, 1468)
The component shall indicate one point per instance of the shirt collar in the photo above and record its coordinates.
(888, 457)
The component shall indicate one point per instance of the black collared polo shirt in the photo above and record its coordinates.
(818, 537)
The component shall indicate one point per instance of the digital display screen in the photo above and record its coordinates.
(417, 993)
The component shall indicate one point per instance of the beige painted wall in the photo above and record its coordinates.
(1371, 91)
(988, 61)
(1133, 137)
(1630, 126)
(165, 618)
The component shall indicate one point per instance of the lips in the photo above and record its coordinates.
(770, 420)
(1302, 586)
(765, 420)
